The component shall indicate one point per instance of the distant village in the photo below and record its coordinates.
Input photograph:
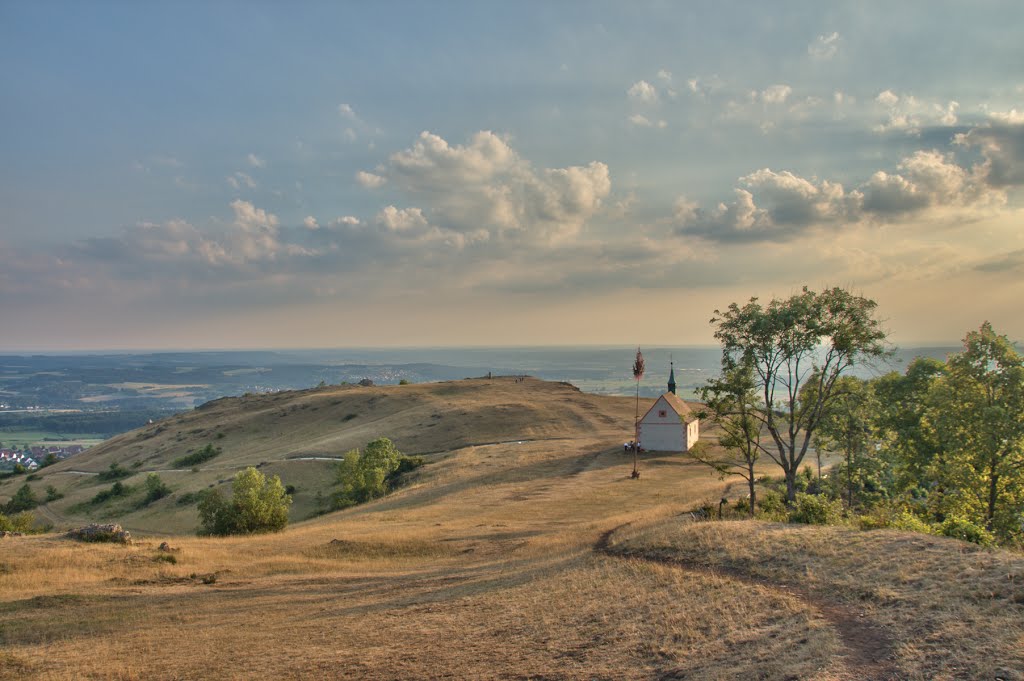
(33, 457)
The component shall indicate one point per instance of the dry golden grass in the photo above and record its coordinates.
(285, 433)
(485, 567)
(947, 609)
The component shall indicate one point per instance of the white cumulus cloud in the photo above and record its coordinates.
(776, 94)
(370, 180)
(642, 91)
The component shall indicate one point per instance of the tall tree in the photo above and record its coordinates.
(902, 404)
(807, 337)
(846, 427)
(978, 414)
(731, 400)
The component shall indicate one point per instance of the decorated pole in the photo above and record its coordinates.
(638, 373)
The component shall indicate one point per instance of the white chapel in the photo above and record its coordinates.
(670, 425)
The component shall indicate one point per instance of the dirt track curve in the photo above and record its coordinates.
(868, 649)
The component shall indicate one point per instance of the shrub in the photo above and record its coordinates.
(772, 505)
(17, 522)
(196, 458)
(257, 505)
(365, 475)
(403, 382)
(815, 510)
(407, 464)
(52, 494)
(115, 472)
(23, 500)
(118, 489)
(188, 498)
(155, 489)
(896, 518)
(961, 528)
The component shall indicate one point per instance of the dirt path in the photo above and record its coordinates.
(868, 649)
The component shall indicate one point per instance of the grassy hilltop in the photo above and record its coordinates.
(298, 435)
(522, 550)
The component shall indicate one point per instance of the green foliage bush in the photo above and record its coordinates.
(961, 528)
(17, 522)
(155, 489)
(883, 516)
(118, 489)
(772, 505)
(188, 498)
(115, 472)
(369, 474)
(407, 464)
(23, 500)
(257, 505)
(52, 494)
(815, 510)
(194, 459)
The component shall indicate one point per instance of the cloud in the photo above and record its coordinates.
(643, 122)
(310, 222)
(789, 205)
(345, 221)
(370, 180)
(782, 205)
(927, 179)
(665, 76)
(824, 47)
(776, 94)
(402, 220)
(887, 98)
(643, 92)
(1011, 117)
(1002, 147)
(239, 180)
(909, 114)
(346, 111)
(255, 161)
(1012, 262)
(485, 184)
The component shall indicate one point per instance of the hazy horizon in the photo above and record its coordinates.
(262, 175)
(399, 348)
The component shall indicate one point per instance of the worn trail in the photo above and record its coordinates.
(868, 649)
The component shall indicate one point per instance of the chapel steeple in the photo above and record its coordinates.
(671, 376)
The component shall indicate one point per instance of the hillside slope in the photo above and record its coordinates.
(526, 558)
(298, 434)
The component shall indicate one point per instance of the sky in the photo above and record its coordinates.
(313, 174)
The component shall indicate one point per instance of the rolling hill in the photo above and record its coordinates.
(523, 550)
(299, 435)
